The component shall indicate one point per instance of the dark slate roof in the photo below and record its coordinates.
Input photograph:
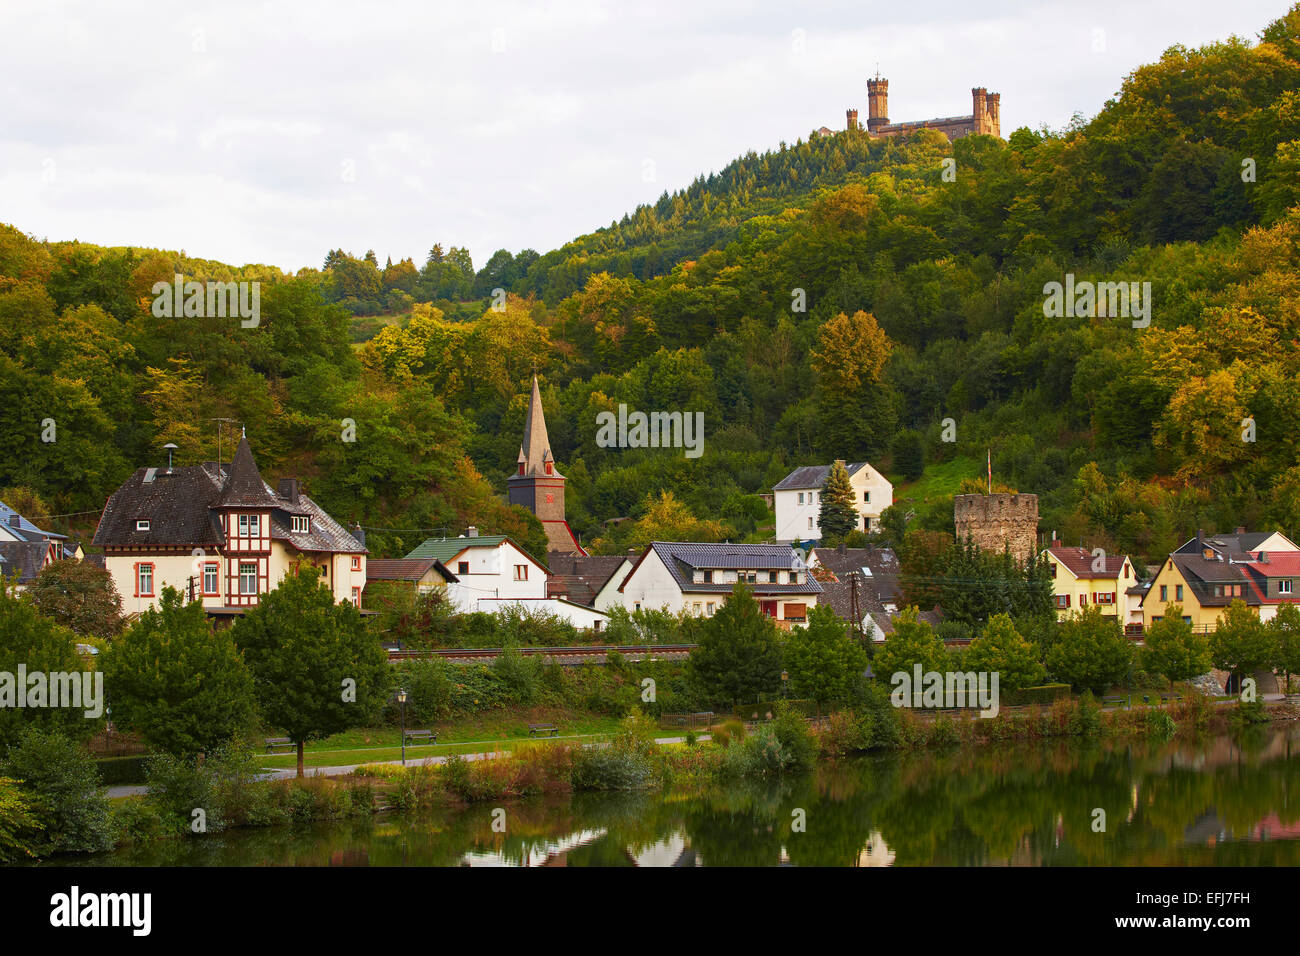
(405, 569)
(26, 558)
(580, 576)
(177, 505)
(881, 584)
(683, 558)
(1238, 544)
(812, 476)
(1201, 576)
(244, 485)
(181, 508)
(1079, 562)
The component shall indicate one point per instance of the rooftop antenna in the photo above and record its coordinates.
(170, 448)
(219, 422)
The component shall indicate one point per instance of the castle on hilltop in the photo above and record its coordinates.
(984, 117)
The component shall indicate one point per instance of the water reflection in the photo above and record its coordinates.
(1216, 801)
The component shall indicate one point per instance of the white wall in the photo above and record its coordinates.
(577, 615)
(792, 517)
(492, 575)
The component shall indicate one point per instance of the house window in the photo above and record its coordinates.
(250, 526)
(696, 607)
(142, 524)
(356, 562)
(1218, 590)
(550, 468)
(1164, 592)
(1104, 597)
(796, 612)
(521, 468)
(1178, 592)
(356, 596)
(210, 580)
(636, 605)
(144, 580)
(771, 577)
(810, 524)
(708, 608)
(1284, 587)
(301, 524)
(1062, 600)
(462, 567)
(521, 572)
(866, 497)
(708, 577)
(801, 497)
(324, 570)
(247, 577)
(1083, 600)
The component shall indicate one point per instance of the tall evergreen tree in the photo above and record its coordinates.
(839, 514)
(738, 659)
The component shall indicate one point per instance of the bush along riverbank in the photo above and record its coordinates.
(51, 801)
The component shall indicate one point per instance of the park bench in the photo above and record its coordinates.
(543, 730)
(273, 742)
(425, 735)
(1166, 698)
(1117, 701)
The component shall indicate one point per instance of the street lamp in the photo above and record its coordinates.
(401, 699)
(785, 677)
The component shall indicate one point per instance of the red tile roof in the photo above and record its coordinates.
(1079, 562)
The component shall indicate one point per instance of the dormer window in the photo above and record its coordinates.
(141, 524)
(301, 524)
(550, 468)
(521, 468)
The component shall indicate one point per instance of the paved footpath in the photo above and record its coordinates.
(289, 773)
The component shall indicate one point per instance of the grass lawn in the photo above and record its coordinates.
(942, 479)
(479, 734)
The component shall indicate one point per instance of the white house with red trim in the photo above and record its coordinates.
(221, 535)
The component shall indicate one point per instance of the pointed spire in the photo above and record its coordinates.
(244, 486)
(535, 452)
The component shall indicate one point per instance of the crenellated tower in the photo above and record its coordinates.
(877, 104)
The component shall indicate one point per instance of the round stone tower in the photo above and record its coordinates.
(992, 521)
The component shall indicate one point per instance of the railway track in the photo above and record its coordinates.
(592, 653)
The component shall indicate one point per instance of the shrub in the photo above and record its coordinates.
(59, 781)
(20, 830)
(610, 768)
(180, 785)
(728, 731)
(136, 820)
(1160, 724)
(1042, 694)
(1086, 719)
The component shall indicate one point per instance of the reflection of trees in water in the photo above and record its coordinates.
(1165, 803)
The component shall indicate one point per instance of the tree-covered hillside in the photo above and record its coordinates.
(838, 298)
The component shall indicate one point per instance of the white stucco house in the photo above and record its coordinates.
(698, 579)
(797, 499)
(488, 568)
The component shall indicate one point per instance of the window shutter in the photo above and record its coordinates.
(136, 575)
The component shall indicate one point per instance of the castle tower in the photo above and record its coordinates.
(995, 521)
(980, 111)
(537, 484)
(994, 105)
(877, 104)
(853, 120)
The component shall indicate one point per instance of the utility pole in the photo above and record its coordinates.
(219, 422)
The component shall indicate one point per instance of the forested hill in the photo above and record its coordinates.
(837, 298)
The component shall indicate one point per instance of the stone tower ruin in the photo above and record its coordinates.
(995, 521)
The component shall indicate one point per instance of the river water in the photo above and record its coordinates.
(1212, 801)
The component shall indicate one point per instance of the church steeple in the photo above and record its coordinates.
(537, 484)
(535, 456)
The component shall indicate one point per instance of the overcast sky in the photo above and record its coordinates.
(272, 132)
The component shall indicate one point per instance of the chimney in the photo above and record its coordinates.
(841, 548)
(359, 533)
(1240, 531)
(289, 490)
(472, 531)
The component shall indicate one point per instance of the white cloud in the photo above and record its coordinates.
(274, 132)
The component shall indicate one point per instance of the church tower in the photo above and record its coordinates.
(537, 484)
